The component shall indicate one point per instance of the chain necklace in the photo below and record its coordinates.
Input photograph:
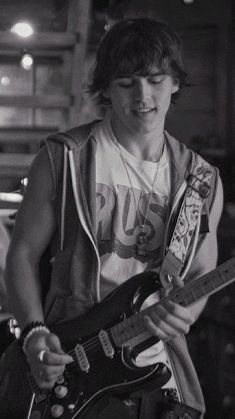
(142, 241)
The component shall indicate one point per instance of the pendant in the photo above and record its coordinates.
(142, 244)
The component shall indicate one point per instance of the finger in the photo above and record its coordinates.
(52, 370)
(179, 311)
(169, 322)
(52, 358)
(53, 343)
(46, 377)
(55, 355)
(155, 330)
(43, 382)
(158, 324)
(177, 282)
(171, 312)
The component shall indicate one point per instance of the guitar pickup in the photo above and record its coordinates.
(106, 344)
(82, 358)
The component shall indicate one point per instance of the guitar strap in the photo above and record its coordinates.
(188, 222)
(185, 233)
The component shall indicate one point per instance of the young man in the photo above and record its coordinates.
(106, 199)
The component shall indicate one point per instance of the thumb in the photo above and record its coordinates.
(54, 344)
(177, 282)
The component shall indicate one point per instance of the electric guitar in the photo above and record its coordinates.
(104, 344)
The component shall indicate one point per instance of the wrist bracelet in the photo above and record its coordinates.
(28, 327)
(29, 330)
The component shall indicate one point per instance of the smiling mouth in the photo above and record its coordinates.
(143, 110)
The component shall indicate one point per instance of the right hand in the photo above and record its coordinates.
(54, 360)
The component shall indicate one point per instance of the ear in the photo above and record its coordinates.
(175, 87)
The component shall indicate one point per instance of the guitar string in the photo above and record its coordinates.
(91, 343)
(88, 344)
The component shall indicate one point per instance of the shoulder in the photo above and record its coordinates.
(181, 157)
(56, 147)
(40, 174)
(176, 146)
(185, 160)
(73, 138)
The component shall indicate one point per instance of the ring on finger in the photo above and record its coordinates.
(41, 355)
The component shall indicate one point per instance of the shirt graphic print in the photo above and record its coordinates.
(117, 217)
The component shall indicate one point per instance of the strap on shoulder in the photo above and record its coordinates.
(197, 191)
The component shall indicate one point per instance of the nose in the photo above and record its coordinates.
(142, 90)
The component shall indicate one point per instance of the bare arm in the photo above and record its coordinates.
(206, 257)
(33, 230)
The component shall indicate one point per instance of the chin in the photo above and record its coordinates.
(147, 127)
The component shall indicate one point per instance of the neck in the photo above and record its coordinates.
(142, 145)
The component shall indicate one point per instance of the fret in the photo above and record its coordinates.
(119, 333)
(227, 270)
(134, 326)
(196, 293)
(184, 300)
(128, 329)
(204, 287)
(192, 292)
(207, 285)
(179, 297)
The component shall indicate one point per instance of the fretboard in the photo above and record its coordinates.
(191, 293)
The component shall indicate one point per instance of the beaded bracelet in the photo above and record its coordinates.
(28, 327)
(29, 330)
(32, 331)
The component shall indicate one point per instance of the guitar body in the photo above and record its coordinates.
(104, 345)
(100, 368)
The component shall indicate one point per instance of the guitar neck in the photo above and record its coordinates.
(191, 293)
(205, 286)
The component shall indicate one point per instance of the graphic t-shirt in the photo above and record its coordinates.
(118, 194)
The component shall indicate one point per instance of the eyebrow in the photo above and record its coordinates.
(123, 76)
(158, 73)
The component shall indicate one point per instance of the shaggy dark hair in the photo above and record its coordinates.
(134, 46)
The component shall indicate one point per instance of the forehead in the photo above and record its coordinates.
(152, 71)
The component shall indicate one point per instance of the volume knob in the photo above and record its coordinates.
(57, 410)
(61, 391)
(60, 379)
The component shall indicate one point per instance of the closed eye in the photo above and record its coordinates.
(155, 80)
(125, 83)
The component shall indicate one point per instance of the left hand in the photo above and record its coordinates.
(169, 320)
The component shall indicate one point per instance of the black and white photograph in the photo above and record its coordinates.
(117, 209)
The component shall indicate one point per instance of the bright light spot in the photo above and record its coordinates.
(188, 1)
(5, 81)
(26, 62)
(22, 29)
